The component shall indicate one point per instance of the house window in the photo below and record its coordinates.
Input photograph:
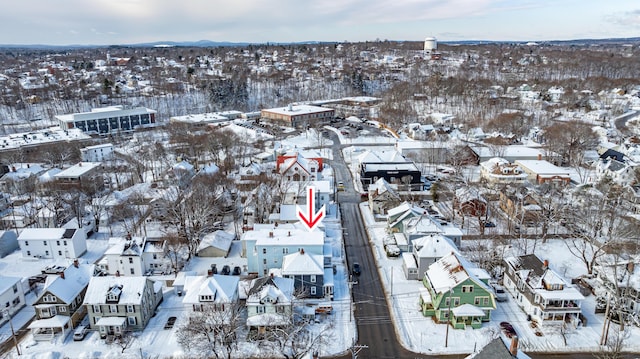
(64, 243)
(44, 243)
(130, 308)
(59, 253)
(57, 243)
(62, 309)
(476, 301)
(26, 243)
(46, 253)
(264, 251)
(28, 253)
(15, 288)
(313, 280)
(113, 309)
(155, 256)
(96, 309)
(132, 320)
(260, 309)
(16, 301)
(313, 290)
(467, 289)
(130, 260)
(280, 309)
(285, 250)
(264, 261)
(132, 271)
(456, 301)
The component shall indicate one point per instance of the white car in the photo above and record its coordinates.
(80, 333)
(500, 293)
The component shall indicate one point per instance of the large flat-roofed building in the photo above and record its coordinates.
(106, 120)
(298, 116)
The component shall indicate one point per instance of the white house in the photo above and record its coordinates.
(134, 256)
(541, 292)
(11, 297)
(56, 243)
(214, 292)
(97, 153)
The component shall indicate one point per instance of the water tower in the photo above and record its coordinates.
(430, 45)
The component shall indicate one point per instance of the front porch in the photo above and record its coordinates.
(111, 326)
(48, 329)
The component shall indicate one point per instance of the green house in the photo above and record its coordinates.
(455, 291)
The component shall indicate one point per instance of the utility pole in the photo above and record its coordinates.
(446, 338)
(13, 333)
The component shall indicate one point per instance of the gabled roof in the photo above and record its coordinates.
(68, 288)
(222, 288)
(434, 246)
(218, 239)
(278, 288)
(301, 263)
(131, 291)
(381, 186)
(451, 270)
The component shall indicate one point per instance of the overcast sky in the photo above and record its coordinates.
(107, 22)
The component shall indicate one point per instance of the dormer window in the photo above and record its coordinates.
(113, 295)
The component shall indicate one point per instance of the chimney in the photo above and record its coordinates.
(513, 349)
(117, 273)
(545, 264)
(289, 234)
(301, 250)
(270, 234)
(539, 156)
(76, 263)
(62, 274)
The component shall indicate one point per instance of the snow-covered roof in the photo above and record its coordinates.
(30, 234)
(221, 288)
(131, 291)
(449, 271)
(278, 289)
(74, 281)
(301, 263)
(468, 310)
(285, 237)
(542, 167)
(57, 321)
(435, 246)
(77, 170)
(218, 239)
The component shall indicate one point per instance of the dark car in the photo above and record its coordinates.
(488, 224)
(356, 269)
(508, 330)
(226, 270)
(170, 322)
(236, 270)
(214, 269)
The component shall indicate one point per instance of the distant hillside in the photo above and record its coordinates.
(208, 43)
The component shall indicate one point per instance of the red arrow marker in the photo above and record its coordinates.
(311, 219)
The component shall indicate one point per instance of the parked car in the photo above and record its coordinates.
(236, 270)
(392, 250)
(226, 270)
(488, 224)
(508, 330)
(80, 333)
(170, 322)
(500, 293)
(356, 269)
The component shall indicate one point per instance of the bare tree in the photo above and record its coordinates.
(213, 330)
